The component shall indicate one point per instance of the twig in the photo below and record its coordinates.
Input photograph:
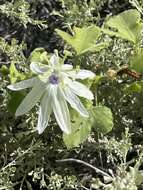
(86, 164)
(84, 188)
(22, 181)
(130, 162)
(14, 161)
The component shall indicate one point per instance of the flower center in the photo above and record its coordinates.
(54, 79)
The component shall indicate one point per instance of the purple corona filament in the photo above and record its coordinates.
(53, 79)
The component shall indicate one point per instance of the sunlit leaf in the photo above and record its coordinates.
(135, 87)
(15, 75)
(81, 129)
(128, 25)
(102, 119)
(37, 55)
(84, 39)
(136, 62)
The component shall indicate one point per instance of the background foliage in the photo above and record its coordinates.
(28, 160)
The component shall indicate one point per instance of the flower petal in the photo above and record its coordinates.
(31, 99)
(37, 69)
(84, 74)
(75, 102)
(54, 60)
(60, 110)
(66, 67)
(80, 89)
(81, 74)
(45, 111)
(23, 84)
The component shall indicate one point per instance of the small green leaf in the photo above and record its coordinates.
(136, 62)
(39, 55)
(84, 39)
(81, 129)
(102, 119)
(4, 70)
(128, 25)
(15, 75)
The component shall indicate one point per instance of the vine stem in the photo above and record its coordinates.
(86, 164)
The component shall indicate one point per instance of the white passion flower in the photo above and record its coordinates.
(54, 86)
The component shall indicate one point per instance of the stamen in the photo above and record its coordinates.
(53, 79)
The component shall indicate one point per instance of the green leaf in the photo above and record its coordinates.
(81, 129)
(4, 70)
(15, 75)
(84, 39)
(128, 25)
(134, 87)
(39, 55)
(136, 62)
(102, 119)
(15, 98)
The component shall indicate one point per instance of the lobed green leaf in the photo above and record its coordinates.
(128, 25)
(84, 39)
(102, 119)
